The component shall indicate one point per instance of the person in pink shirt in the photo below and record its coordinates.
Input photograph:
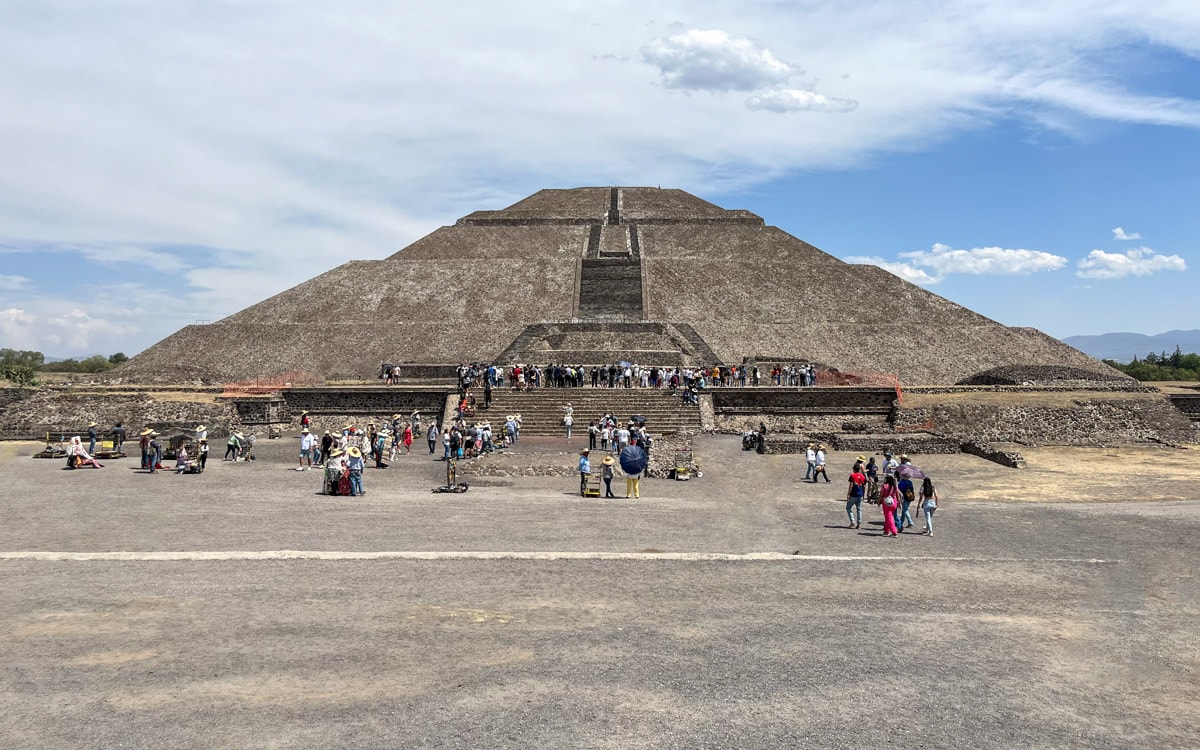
(889, 500)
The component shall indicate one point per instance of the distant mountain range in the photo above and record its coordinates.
(1123, 347)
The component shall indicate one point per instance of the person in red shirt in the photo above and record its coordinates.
(889, 500)
(854, 497)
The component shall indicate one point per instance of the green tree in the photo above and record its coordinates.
(33, 360)
(118, 358)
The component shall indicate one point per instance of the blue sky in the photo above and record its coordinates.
(168, 163)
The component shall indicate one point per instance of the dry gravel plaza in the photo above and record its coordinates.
(1056, 607)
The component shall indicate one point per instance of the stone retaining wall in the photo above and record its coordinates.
(69, 413)
(801, 424)
(1100, 422)
(365, 401)
(1009, 458)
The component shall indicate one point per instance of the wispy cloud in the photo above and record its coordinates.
(1121, 234)
(1139, 262)
(12, 283)
(798, 100)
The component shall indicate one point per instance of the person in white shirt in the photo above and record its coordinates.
(811, 456)
(622, 438)
(819, 467)
(889, 465)
(307, 441)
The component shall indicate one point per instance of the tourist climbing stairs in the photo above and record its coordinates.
(541, 409)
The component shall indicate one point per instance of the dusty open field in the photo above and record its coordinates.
(1055, 607)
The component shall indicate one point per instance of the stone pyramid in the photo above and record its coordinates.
(592, 275)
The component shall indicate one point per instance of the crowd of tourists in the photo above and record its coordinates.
(889, 484)
(629, 375)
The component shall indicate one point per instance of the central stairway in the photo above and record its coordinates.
(541, 410)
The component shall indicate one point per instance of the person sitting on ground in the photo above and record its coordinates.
(181, 460)
(77, 457)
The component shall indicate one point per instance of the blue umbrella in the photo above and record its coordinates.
(634, 460)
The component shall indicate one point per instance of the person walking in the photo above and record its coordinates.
(889, 500)
(606, 473)
(432, 437)
(854, 498)
(203, 457)
(907, 496)
(810, 455)
(585, 471)
(819, 466)
(929, 503)
(567, 421)
(408, 438)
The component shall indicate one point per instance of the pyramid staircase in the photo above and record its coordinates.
(541, 409)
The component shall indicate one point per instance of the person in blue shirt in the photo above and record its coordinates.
(907, 495)
(585, 470)
(355, 465)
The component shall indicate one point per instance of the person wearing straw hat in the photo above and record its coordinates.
(355, 464)
(155, 451)
(607, 473)
(819, 468)
(144, 444)
(307, 441)
(335, 467)
(305, 421)
(91, 437)
(585, 471)
(810, 455)
(201, 433)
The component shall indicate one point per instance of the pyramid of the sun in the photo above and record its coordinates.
(592, 275)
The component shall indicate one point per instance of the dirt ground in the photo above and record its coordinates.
(1055, 606)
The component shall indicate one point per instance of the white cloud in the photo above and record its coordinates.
(1121, 234)
(12, 283)
(903, 270)
(289, 138)
(943, 259)
(797, 100)
(1139, 262)
(713, 60)
(71, 331)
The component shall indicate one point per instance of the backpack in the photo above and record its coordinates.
(909, 496)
